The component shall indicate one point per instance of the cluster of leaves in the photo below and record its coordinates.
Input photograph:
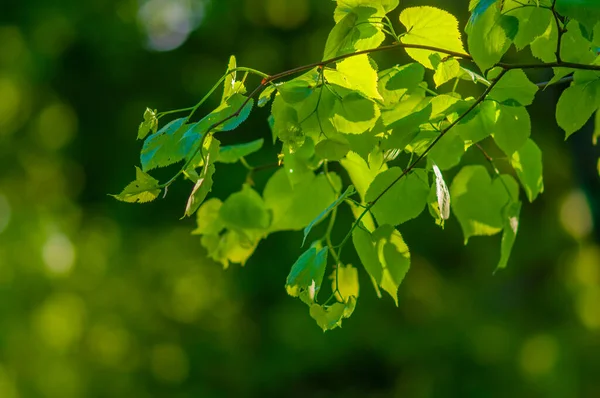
(346, 110)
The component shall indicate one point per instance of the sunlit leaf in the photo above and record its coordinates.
(143, 189)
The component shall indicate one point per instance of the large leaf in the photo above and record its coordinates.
(404, 200)
(358, 29)
(578, 102)
(354, 114)
(514, 89)
(430, 26)
(478, 202)
(512, 129)
(361, 173)
(165, 147)
(384, 255)
(490, 36)
(360, 75)
(527, 162)
(294, 207)
(245, 210)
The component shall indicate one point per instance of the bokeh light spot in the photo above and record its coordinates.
(56, 125)
(539, 355)
(11, 101)
(168, 23)
(169, 363)
(59, 321)
(287, 14)
(588, 307)
(59, 253)
(576, 216)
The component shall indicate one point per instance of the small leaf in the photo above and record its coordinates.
(150, 123)
(204, 183)
(143, 189)
(306, 276)
(233, 153)
(576, 105)
(349, 192)
(446, 71)
(266, 95)
(329, 317)
(229, 84)
(509, 234)
(345, 280)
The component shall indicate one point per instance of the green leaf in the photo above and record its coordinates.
(300, 162)
(490, 36)
(229, 84)
(207, 218)
(514, 88)
(396, 82)
(347, 193)
(233, 153)
(150, 123)
(245, 210)
(512, 129)
(330, 317)
(404, 201)
(265, 96)
(509, 234)
(577, 104)
(448, 151)
(333, 148)
(306, 276)
(478, 202)
(354, 114)
(527, 162)
(446, 71)
(345, 281)
(165, 147)
(367, 252)
(360, 75)
(479, 124)
(585, 11)
(533, 21)
(204, 183)
(361, 174)
(293, 208)
(300, 88)
(544, 46)
(384, 255)
(358, 29)
(381, 6)
(430, 26)
(574, 47)
(285, 124)
(394, 257)
(143, 189)
(230, 247)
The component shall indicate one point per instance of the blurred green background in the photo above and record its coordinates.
(104, 299)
